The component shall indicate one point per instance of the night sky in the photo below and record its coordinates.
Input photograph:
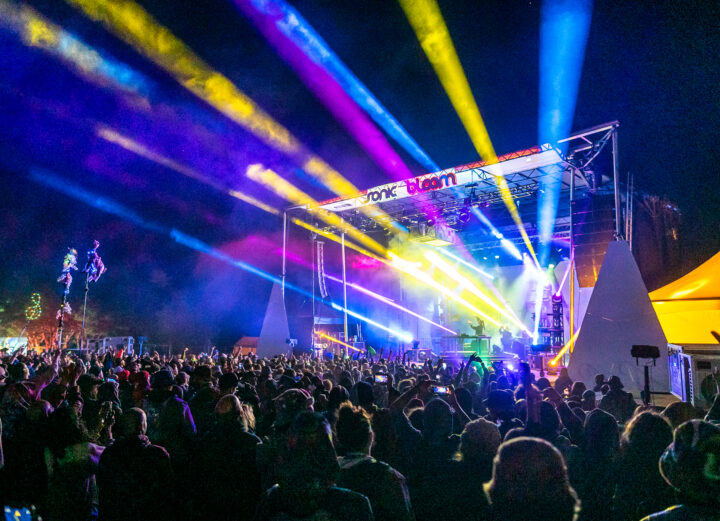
(653, 66)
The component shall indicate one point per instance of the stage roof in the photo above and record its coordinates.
(689, 308)
(474, 185)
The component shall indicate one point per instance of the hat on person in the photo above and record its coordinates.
(691, 463)
(140, 377)
(289, 404)
(228, 381)
(480, 438)
(615, 383)
(203, 371)
(87, 381)
(498, 399)
(588, 395)
(163, 378)
(543, 383)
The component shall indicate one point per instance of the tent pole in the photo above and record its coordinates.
(344, 278)
(284, 254)
(572, 258)
(616, 186)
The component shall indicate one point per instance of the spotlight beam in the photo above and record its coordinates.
(287, 190)
(270, 18)
(332, 339)
(565, 348)
(131, 23)
(564, 29)
(466, 284)
(426, 278)
(434, 37)
(389, 302)
(465, 263)
(112, 136)
(288, 22)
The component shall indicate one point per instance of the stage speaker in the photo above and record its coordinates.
(593, 227)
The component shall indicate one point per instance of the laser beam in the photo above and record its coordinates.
(112, 207)
(467, 284)
(332, 339)
(390, 302)
(564, 29)
(130, 22)
(298, 32)
(434, 37)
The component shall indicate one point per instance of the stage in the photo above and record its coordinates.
(424, 259)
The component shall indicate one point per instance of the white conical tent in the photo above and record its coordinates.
(618, 316)
(275, 331)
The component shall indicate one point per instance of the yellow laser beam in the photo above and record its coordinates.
(336, 238)
(287, 190)
(138, 28)
(426, 278)
(434, 37)
(141, 150)
(332, 339)
(472, 288)
(564, 349)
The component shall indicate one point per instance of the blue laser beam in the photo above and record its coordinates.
(564, 28)
(112, 207)
(294, 27)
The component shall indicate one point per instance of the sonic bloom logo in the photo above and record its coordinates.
(379, 195)
(435, 182)
(413, 186)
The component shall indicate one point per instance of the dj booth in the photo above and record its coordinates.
(465, 345)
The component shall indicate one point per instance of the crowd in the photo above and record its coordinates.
(119, 437)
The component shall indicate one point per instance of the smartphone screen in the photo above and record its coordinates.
(381, 378)
(17, 514)
(441, 389)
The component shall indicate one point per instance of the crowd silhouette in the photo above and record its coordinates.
(112, 436)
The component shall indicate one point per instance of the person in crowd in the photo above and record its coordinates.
(306, 488)
(25, 479)
(563, 381)
(678, 413)
(617, 402)
(640, 488)
(203, 398)
(359, 471)
(501, 410)
(132, 467)
(600, 452)
(288, 405)
(587, 401)
(176, 433)
(479, 442)
(530, 482)
(161, 388)
(230, 484)
(691, 466)
(71, 463)
(599, 382)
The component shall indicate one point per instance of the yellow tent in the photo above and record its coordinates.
(689, 308)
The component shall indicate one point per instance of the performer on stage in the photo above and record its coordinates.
(479, 328)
